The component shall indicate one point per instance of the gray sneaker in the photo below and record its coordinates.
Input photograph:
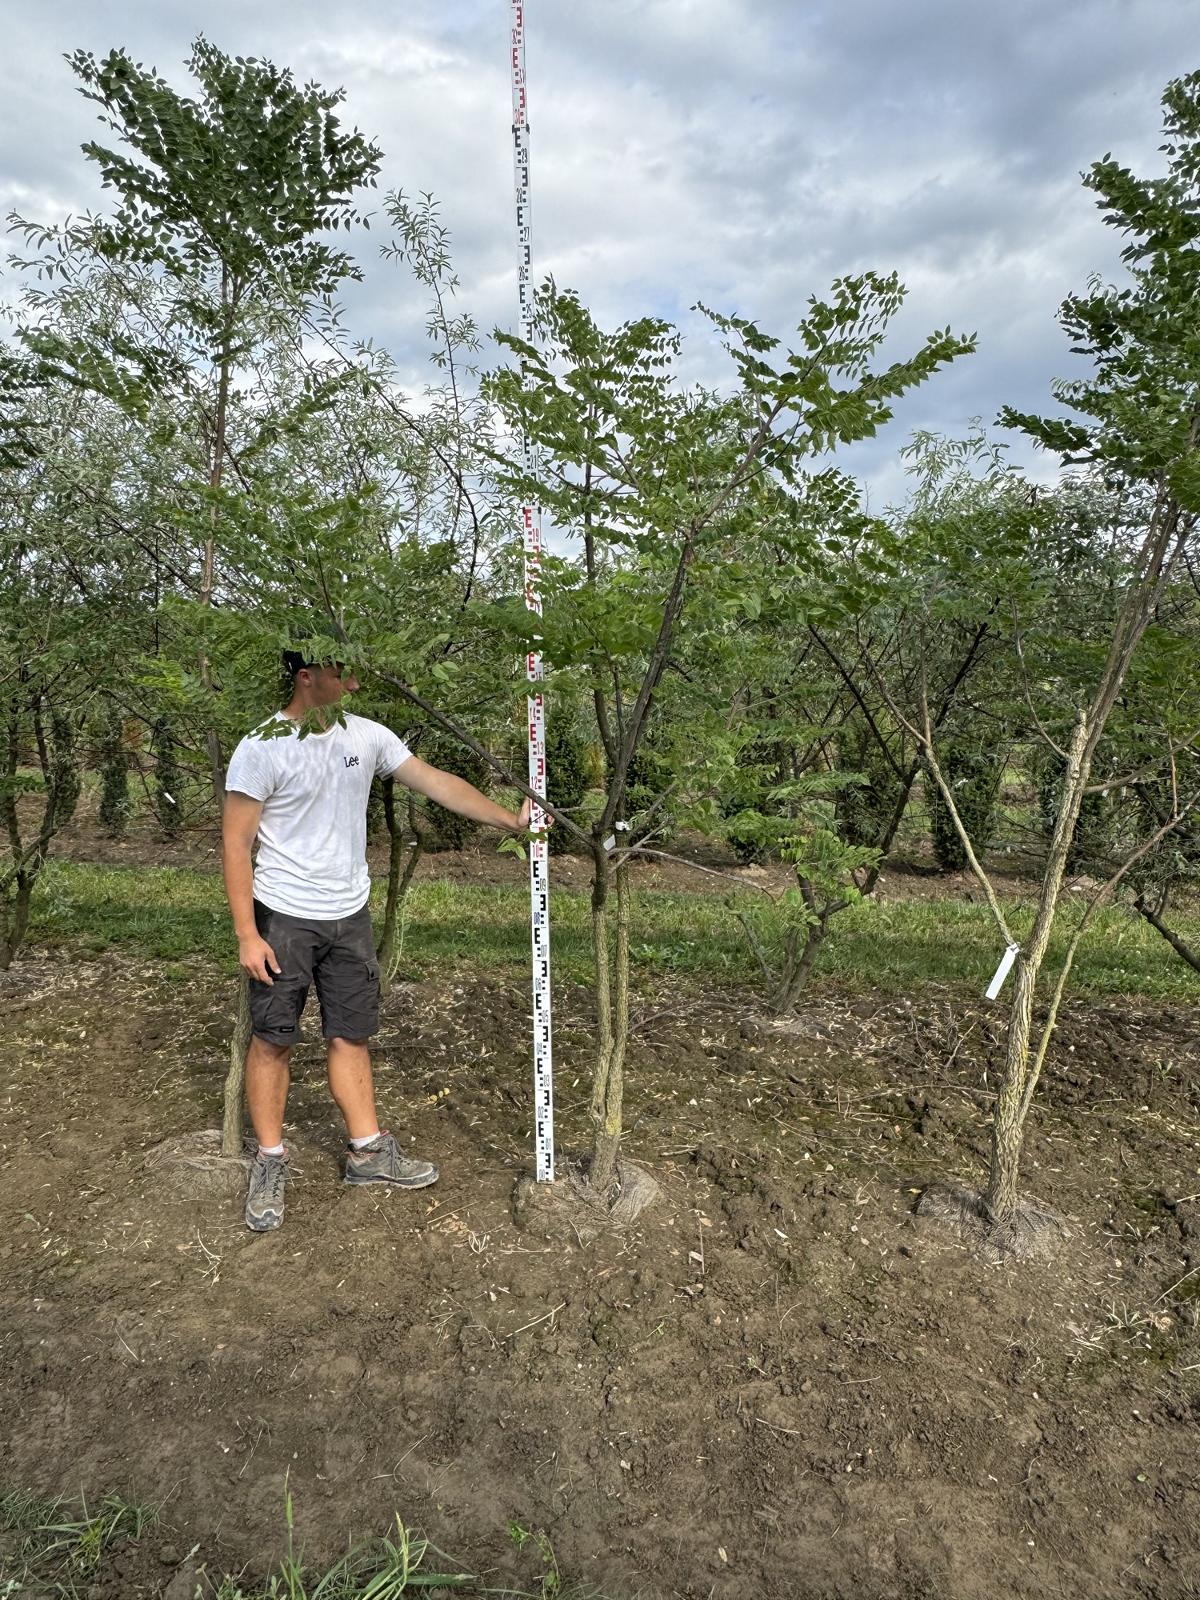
(381, 1162)
(264, 1198)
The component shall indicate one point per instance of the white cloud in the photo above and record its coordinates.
(741, 154)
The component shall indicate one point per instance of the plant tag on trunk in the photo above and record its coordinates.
(1002, 971)
(610, 842)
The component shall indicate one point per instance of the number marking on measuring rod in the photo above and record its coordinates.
(531, 529)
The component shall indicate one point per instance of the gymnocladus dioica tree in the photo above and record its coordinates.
(1137, 422)
(218, 235)
(664, 493)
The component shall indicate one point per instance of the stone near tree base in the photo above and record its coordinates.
(1035, 1233)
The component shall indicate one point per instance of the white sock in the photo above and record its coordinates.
(270, 1149)
(357, 1144)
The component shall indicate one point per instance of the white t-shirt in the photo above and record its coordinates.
(312, 838)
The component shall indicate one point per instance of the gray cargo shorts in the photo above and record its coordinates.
(339, 957)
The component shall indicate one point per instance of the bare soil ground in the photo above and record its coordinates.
(781, 1383)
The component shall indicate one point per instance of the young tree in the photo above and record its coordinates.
(370, 537)
(824, 775)
(917, 599)
(46, 653)
(798, 829)
(1139, 425)
(167, 778)
(223, 207)
(974, 769)
(662, 490)
(1155, 739)
(64, 629)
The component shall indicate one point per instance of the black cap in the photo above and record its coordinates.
(293, 660)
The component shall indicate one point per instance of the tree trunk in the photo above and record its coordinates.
(233, 1121)
(20, 920)
(1008, 1124)
(604, 1036)
(606, 1147)
(212, 737)
(27, 863)
(400, 876)
(796, 972)
(14, 912)
(8, 944)
(886, 838)
(235, 1080)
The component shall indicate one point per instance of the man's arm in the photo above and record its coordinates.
(456, 794)
(239, 825)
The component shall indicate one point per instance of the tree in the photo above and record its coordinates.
(63, 628)
(1138, 424)
(44, 673)
(218, 230)
(1156, 746)
(168, 778)
(367, 536)
(663, 488)
(825, 769)
(916, 600)
(798, 828)
(114, 772)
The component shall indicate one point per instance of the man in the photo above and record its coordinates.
(301, 917)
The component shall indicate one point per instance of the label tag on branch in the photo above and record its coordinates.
(1002, 971)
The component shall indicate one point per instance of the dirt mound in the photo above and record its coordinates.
(571, 1208)
(188, 1165)
(1035, 1233)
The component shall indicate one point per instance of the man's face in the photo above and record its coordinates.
(327, 685)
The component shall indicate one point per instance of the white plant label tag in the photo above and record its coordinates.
(1002, 971)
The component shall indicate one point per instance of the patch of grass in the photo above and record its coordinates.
(21, 1511)
(58, 1535)
(383, 1569)
(59, 1541)
(177, 914)
(905, 944)
(550, 1577)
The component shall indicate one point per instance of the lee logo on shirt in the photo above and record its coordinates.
(351, 761)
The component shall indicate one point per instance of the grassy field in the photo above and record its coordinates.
(178, 913)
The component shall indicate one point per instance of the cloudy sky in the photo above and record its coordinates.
(737, 152)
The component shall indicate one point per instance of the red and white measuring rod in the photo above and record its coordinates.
(539, 858)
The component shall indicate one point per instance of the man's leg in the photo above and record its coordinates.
(266, 1095)
(267, 1079)
(347, 980)
(275, 1010)
(351, 1086)
(373, 1157)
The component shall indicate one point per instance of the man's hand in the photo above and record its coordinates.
(257, 958)
(522, 823)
